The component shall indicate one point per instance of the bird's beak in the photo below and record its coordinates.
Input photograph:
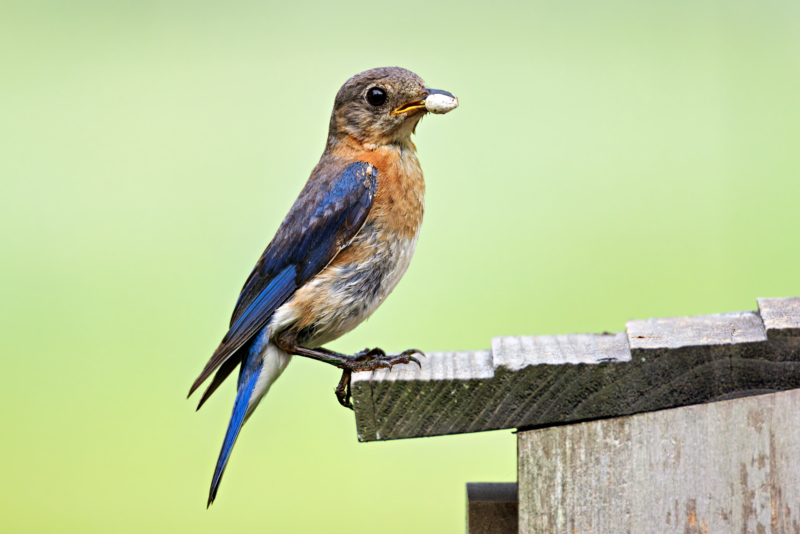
(419, 102)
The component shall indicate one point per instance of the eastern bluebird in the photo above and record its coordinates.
(340, 251)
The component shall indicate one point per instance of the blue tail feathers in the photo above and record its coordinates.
(248, 376)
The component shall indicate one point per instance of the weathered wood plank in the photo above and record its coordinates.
(471, 391)
(781, 316)
(705, 330)
(492, 508)
(721, 467)
(515, 353)
(534, 381)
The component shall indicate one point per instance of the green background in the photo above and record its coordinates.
(609, 161)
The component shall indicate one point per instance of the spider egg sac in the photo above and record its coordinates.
(439, 103)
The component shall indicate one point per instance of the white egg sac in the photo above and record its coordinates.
(439, 103)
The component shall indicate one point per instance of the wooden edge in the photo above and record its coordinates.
(781, 316)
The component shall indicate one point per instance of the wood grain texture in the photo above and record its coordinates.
(534, 381)
(724, 467)
(382, 399)
(492, 508)
(781, 316)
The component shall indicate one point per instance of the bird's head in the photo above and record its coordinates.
(382, 106)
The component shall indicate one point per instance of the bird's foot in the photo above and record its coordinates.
(363, 360)
(370, 360)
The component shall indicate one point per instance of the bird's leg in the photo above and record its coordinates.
(363, 360)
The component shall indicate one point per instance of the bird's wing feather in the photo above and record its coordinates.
(248, 377)
(327, 215)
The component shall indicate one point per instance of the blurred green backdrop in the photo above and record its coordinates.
(610, 160)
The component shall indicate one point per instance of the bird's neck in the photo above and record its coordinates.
(350, 146)
(391, 159)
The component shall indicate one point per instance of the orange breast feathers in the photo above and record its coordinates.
(400, 200)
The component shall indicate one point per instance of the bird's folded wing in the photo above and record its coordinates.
(327, 215)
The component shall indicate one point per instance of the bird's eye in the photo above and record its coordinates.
(376, 96)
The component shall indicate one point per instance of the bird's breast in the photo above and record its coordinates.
(363, 274)
(400, 199)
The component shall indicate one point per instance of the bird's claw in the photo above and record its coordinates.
(404, 357)
(408, 353)
(369, 360)
(343, 391)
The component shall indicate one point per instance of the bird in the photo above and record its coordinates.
(342, 248)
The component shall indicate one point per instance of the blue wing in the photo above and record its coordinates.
(330, 210)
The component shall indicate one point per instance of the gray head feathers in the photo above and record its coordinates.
(371, 121)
